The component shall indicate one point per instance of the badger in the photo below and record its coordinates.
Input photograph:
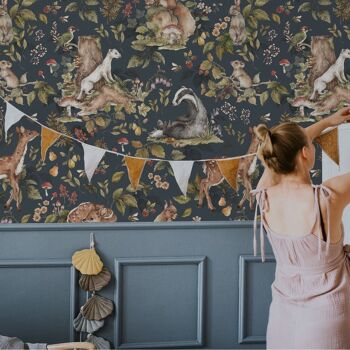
(191, 125)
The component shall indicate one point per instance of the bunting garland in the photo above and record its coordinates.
(48, 138)
(328, 140)
(329, 143)
(182, 172)
(229, 170)
(12, 116)
(135, 168)
(92, 158)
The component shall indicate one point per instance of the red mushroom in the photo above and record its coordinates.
(46, 186)
(284, 63)
(274, 74)
(51, 62)
(123, 141)
(41, 74)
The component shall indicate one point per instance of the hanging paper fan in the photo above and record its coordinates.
(92, 283)
(82, 324)
(87, 261)
(99, 342)
(97, 308)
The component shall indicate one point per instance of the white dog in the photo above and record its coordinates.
(336, 70)
(104, 70)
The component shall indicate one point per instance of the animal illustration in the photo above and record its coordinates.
(7, 74)
(11, 79)
(102, 71)
(12, 165)
(169, 213)
(65, 40)
(245, 81)
(91, 212)
(185, 20)
(298, 40)
(322, 57)
(6, 29)
(194, 124)
(214, 178)
(89, 57)
(237, 29)
(105, 95)
(335, 71)
(246, 168)
(328, 104)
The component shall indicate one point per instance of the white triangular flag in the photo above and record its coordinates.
(92, 158)
(182, 172)
(12, 116)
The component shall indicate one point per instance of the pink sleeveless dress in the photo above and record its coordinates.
(310, 306)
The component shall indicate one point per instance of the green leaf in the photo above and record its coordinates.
(142, 29)
(276, 18)
(33, 193)
(72, 7)
(187, 213)
(30, 97)
(325, 2)
(135, 61)
(208, 46)
(91, 2)
(158, 57)
(28, 2)
(117, 176)
(129, 200)
(43, 18)
(91, 15)
(261, 2)
(51, 218)
(263, 97)
(246, 10)
(305, 7)
(27, 15)
(276, 96)
(182, 199)
(43, 96)
(157, 151)
(117, 193)
(261, 15)
(324, 16)
(25, 218)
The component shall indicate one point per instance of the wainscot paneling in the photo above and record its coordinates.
(175, 285)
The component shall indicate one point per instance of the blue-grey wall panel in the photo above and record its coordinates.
(230, 320)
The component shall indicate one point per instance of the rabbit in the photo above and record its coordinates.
(6, 31)
(237, 30)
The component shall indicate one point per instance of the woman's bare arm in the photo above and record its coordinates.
(339, 184)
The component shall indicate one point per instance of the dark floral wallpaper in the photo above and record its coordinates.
(164, 79)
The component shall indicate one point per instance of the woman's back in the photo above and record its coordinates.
(311, 292)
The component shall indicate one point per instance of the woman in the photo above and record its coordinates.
(310, 305)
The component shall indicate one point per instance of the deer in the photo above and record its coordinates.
(246, 168)
(12, 165)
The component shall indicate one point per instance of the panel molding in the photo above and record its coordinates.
(243, 261)
(124, 226)
(200, 261)
(73, 294)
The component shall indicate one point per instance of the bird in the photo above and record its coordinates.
(66, 38)
(299, 38)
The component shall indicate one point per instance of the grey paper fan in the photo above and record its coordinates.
(92, 283)
(97, 308)
(99, 342)
(82, 324)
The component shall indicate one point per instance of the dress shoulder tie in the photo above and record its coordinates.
(262, 203)
(326, 194)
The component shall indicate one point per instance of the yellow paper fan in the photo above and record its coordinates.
(87, 261)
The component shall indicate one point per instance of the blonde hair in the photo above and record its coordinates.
(280, 145)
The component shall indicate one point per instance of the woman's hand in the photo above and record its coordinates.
(339, 117)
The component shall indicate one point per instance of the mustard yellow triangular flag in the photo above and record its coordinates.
(135, 167)
(330, 144)
(48, 138)
(228, 170)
